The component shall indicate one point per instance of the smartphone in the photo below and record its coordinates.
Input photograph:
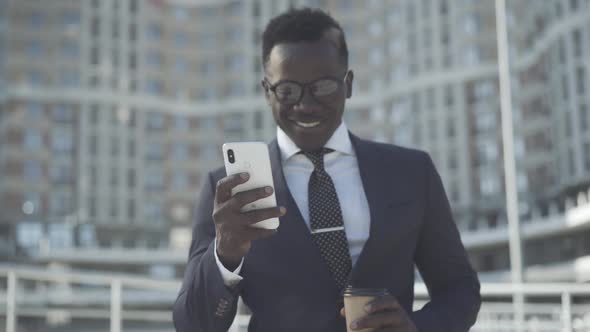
(253, 158)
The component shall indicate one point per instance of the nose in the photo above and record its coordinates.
(307, 104)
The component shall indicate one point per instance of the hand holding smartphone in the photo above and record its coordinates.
(252, 158)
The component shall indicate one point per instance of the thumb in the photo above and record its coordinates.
(342, 313)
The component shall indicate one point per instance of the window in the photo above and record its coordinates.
(61, 174)
(472, 24)
(154, 180)
(580, 81)
(62, 142)
(207, 68)
(208, 123)
(154, 31)
(375, 29)
(133, 6)
(396, 47)
(236, 88)
(181, 14)
(114, 177)
(484, 90)
(29, 234)
(153, 212)
(180, 38)
(209, 152)
(206, 39)
(180, 181)
(131, 209)
(115, 149)
(208, 93)
(181, 122)
(35, 49)
(70, 50)
(59, 204)
(471, 55)
(577, 36)
(36, 20)
(31, 203)
(181, 66)
(131, 148)
(114, 207)
(489, 185)
(154, 87)
(180, 151)
(131, 178)
(375, 57)
(154, 58)
(235, 63)
(449, 97)
(32, 171)
(93, 145)
(132, 60)
(69, 78)
(95, 56)
(71, 19)
(346, 4)
(155, 121)
(235, 34)
(95, 28)
(92, 207)
(154, 151)
(32, 139)
(61, 113)
(133, 32)
(86, 236)
(235, 8)
(34, 78)
(34, 110)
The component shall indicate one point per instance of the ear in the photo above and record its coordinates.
(266, 91)
(349, 79)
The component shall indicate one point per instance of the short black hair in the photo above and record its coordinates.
(297, 25)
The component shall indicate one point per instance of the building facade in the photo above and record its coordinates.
(113, 111)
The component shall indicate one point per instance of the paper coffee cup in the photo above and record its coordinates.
(355, 300)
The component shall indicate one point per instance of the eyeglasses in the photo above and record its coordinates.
(291, 92)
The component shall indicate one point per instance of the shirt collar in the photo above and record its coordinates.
(340, 141)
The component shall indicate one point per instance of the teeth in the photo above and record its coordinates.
(307, 124)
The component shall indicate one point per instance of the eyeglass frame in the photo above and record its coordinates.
(304, 87)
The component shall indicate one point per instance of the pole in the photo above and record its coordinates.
(11, 302)
(116, 305)
(516, 265)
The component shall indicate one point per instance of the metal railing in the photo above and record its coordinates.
(549, 307)
(114, 285)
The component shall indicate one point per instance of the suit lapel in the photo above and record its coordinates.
(293, 235)
(377, 178)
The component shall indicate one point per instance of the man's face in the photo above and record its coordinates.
(312, 120)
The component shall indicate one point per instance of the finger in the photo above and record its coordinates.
(379, 320)
(387, 302)
(255, 216)
(226, 184)
(342, 312)
(243, 198)
(251, 233)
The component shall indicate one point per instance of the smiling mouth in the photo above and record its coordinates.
(307, 124)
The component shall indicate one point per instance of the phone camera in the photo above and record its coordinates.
(230, 156)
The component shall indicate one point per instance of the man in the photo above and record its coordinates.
(352, 212)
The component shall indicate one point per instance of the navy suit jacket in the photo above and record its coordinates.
(289, 288)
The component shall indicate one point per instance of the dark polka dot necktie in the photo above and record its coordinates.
(327, 226)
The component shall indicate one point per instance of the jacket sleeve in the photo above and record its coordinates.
(204, 302)
(452, 283)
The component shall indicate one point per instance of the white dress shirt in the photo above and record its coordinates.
(342, 166)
